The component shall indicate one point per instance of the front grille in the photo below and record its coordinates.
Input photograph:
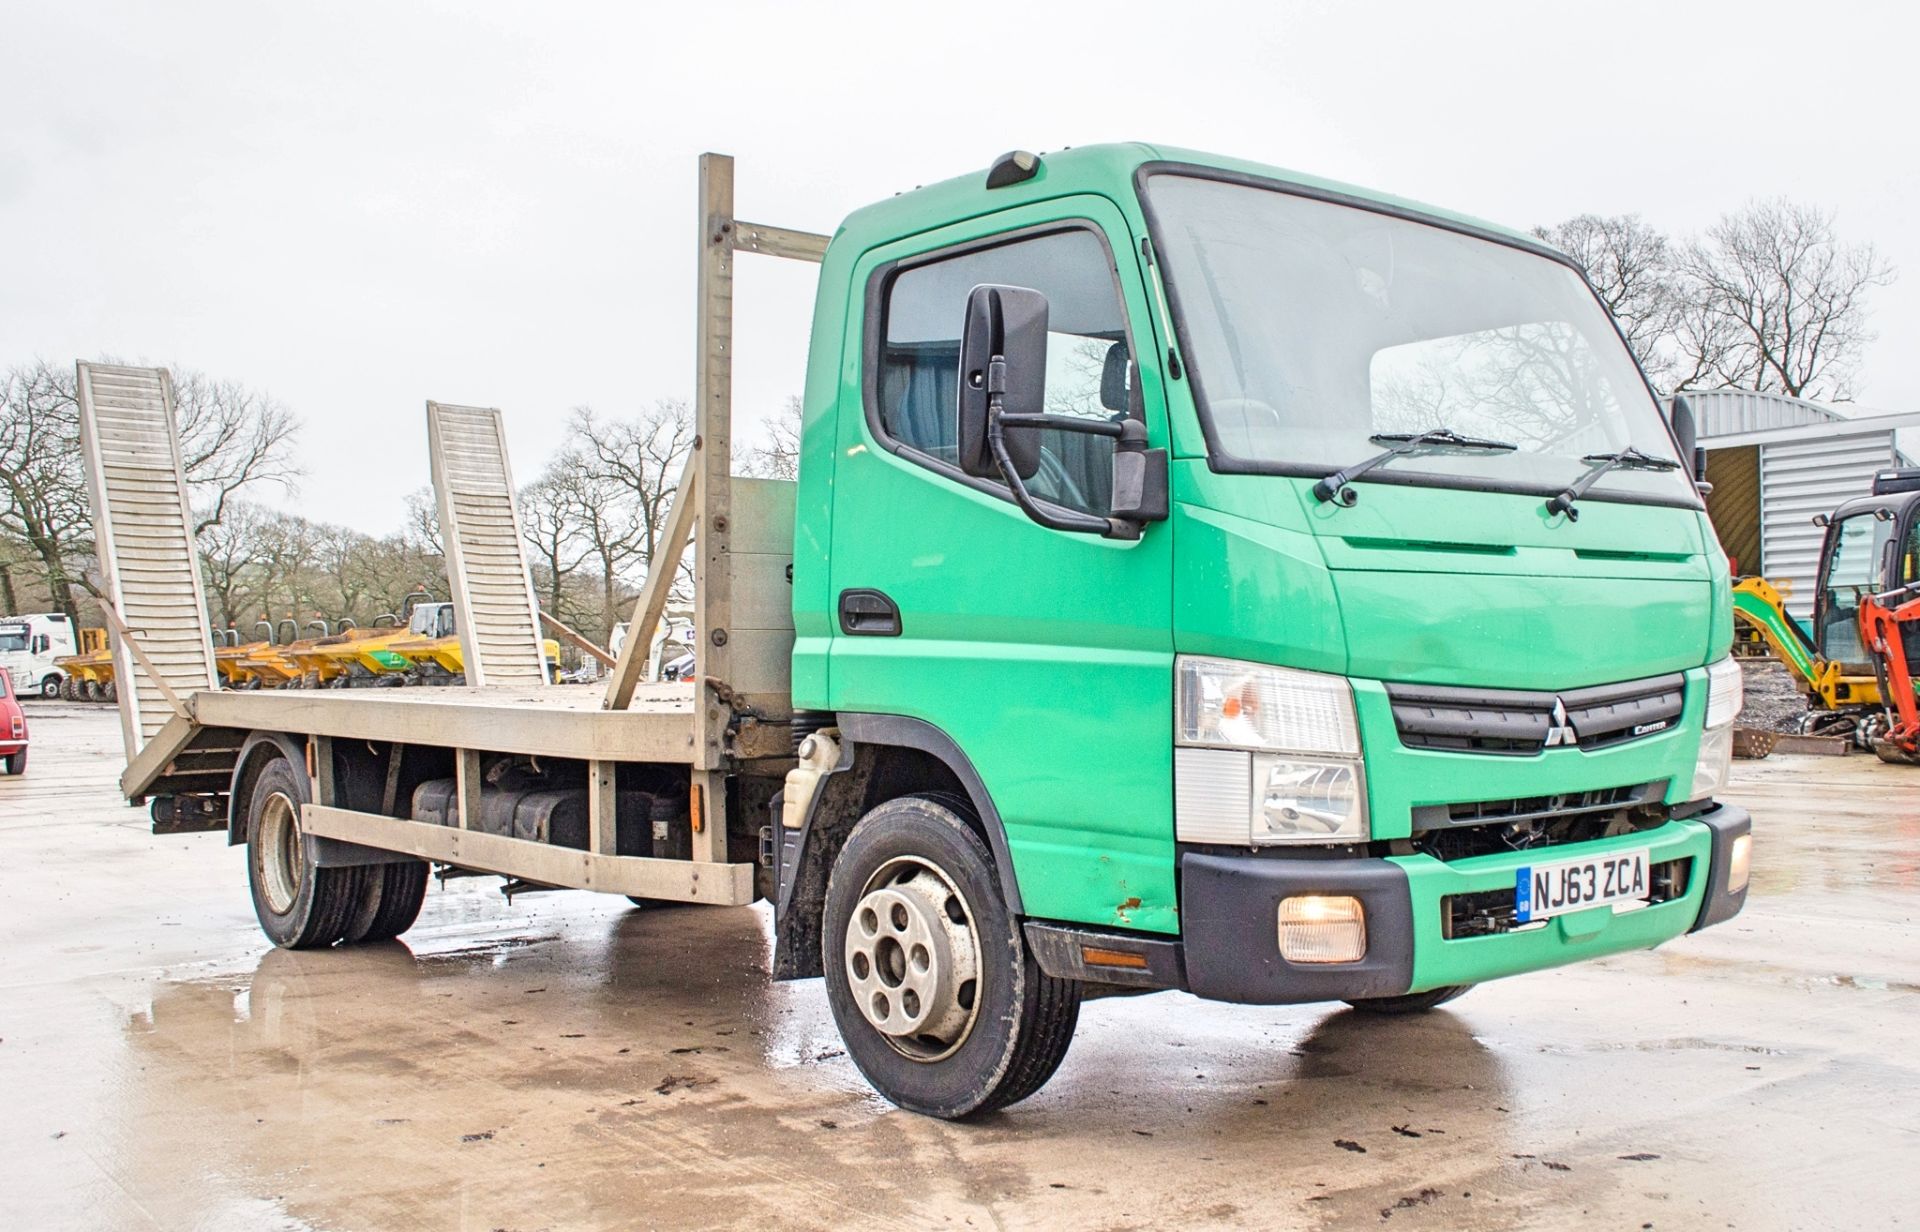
(1495, 827)
(1488, 913)
(1522, 722)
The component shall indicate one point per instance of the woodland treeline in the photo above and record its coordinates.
(1770, 297)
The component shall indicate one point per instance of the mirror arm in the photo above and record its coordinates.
(1077, 523)
(1064, 423)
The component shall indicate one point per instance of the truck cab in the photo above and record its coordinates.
(30, 644)
(1297, 591)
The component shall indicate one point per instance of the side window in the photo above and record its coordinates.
(1851, 564)
(1088, 361)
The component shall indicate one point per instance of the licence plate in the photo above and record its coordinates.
(1542, 891)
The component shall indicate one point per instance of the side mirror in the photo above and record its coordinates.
(1687, 432)
(1003, 370)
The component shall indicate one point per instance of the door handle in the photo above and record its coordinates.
(868, 613)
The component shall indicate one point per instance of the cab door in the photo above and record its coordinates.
(1046, 656)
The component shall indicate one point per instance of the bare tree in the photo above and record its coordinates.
(1633, 269)
(777, 456)
(643, 455)
(229, 564)
(43, 492)
(1777, 302)
(551, 525)
(423, 521)
(231, 439)
(610, 527)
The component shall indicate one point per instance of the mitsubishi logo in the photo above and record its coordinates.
(1559, 731)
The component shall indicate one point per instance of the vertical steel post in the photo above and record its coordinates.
(713, 420)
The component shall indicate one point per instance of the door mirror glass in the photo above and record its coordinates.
(1003, 366)
(1687, 432)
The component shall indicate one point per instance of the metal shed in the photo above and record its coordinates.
(1775, 461)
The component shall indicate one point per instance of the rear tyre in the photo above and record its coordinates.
(300, 906)
(389, 903)
(1410, 1003)
(939, 1001)
(16, 764)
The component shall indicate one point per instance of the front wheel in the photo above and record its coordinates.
(930, 981)
(50, 687)
(1410, 1003)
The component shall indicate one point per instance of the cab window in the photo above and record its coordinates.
(1088, 358)
(1853, 563)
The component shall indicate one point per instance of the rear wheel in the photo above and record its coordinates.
(300, 906)
(930, 981)
(16, 764)
(389, 902)
(1410, 1003)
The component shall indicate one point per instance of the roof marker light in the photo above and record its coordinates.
(1013, 167)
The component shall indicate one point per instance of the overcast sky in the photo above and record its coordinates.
(360, 207)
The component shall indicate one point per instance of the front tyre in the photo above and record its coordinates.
(930, 981)
(1410, 1003)
(300, 906)
(50, 687)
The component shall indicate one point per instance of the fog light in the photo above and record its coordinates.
(1321, 928)
(1739, 862)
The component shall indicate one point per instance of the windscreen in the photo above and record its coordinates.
(12, 638)
(1312, 326)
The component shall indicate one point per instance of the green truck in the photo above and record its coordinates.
(1199, 576)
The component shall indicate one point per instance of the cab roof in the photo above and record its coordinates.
(1109, 171)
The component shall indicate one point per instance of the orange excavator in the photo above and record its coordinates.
(1884, 620)
(1854, 664)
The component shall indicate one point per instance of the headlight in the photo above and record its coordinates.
(1268, 755)
(1726, 690)
(1715, 763)
(1228, 704)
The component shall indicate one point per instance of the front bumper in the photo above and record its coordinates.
(1230, 905)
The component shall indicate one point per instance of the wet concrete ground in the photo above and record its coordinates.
(566, 1062)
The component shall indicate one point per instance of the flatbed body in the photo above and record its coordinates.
(541, 722)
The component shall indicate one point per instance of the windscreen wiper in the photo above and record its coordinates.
(1334, 487)
(1629, 457)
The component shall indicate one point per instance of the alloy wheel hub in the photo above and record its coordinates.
(913, 962)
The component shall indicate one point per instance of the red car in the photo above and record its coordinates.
(13, 728)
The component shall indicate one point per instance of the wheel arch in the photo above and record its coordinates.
(882, 757)
(258, 749)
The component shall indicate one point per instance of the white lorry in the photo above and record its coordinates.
(29, 645)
